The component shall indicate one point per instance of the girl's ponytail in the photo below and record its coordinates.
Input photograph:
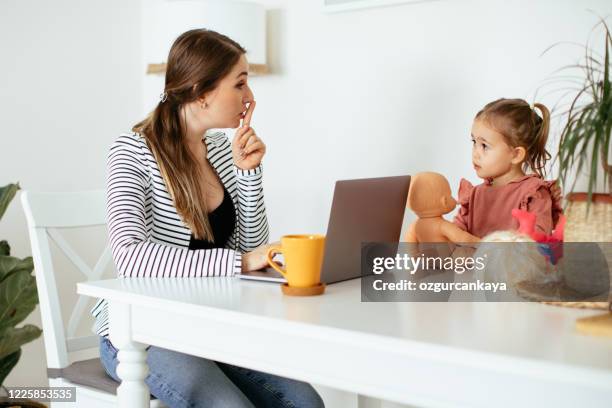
(537, 153)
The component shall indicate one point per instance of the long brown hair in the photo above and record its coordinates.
(521, 126)
(197, 61)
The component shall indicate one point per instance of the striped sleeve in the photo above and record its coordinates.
(252, 219)
(128, 183)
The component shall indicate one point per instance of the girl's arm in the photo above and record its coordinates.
(133, 253)
(463, 196)
(460, 220)
(541, 204)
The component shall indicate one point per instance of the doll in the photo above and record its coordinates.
(429, 197)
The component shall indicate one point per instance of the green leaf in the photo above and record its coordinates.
(7, 363)
(585, 138)
(5, 248)
(10, 265)
(6, 195)
(606, 78)
(18, 298)
(593, 173)
(13, 338)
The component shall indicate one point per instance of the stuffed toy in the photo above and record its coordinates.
(429, 197)
(551, 245)
(513, 257)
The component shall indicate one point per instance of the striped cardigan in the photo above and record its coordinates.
(147, 236)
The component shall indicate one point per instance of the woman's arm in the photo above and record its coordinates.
(252, 219)
(133, 253)
(247, 151)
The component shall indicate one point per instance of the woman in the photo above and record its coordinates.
(185, 202)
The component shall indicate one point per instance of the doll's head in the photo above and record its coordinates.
(430, 195)
(508, 133)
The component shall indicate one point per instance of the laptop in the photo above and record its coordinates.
(363, 210)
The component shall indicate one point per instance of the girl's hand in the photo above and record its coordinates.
(257, 259)
(247, 148)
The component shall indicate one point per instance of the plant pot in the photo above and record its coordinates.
(592, 226)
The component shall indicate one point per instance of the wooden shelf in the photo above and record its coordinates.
(160, 69)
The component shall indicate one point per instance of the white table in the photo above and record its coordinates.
(426, 354)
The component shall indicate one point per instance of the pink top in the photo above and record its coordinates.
(485, 208)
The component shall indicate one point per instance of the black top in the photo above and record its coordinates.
(222, 220)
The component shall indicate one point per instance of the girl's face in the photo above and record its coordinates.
(227, 103)
(491, 155)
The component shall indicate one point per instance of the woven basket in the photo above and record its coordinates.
(594, 226)
(553, 290)
(581, 305)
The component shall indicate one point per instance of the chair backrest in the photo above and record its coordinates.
(47, 214)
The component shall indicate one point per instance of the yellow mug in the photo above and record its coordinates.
(303, 259)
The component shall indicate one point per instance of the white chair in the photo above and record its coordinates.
(46, 214)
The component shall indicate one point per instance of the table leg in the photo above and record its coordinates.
(132, 367)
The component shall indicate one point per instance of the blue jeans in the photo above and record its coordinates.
(181, 380)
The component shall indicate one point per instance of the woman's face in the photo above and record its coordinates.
(228, 102)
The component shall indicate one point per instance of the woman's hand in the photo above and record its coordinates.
(247, 148)
(257, 259)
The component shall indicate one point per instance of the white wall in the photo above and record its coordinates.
(369, 93)
(394, 90)
(69, 82)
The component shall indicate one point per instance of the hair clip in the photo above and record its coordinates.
(163, 97)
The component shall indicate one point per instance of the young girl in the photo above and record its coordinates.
(509, 154)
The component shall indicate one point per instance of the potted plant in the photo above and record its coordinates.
(18, 298)
(584, 147)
